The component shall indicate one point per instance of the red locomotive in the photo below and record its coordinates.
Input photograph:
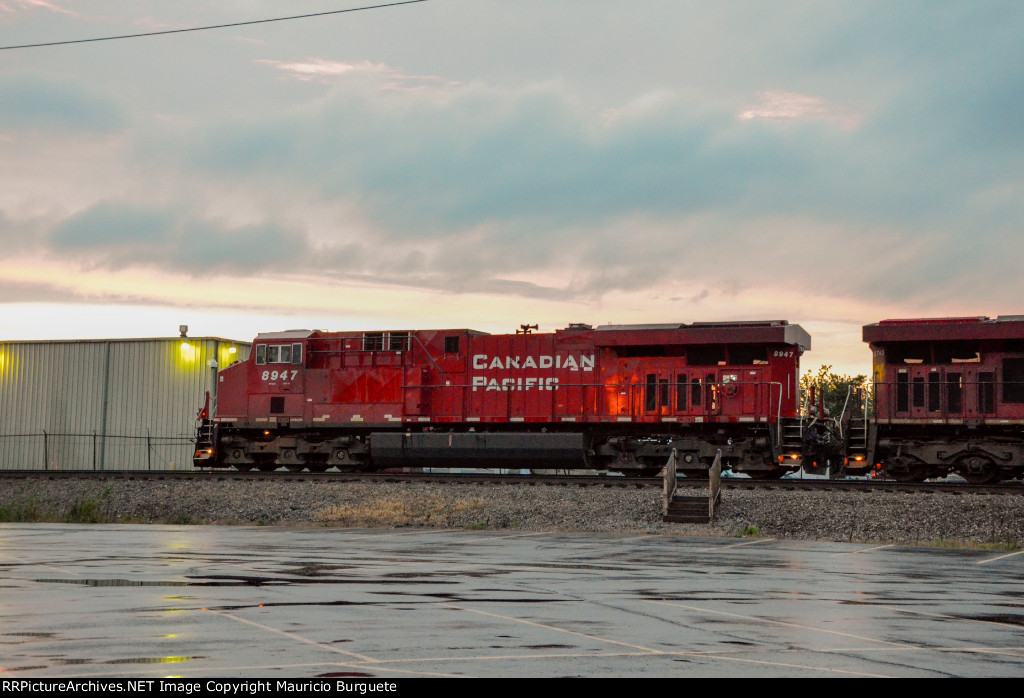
(948, 397)
(617, 398)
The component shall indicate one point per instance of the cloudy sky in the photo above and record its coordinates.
(486, 163)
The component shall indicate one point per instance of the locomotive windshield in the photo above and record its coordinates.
(278, 354)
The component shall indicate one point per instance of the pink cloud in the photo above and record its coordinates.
(782, 106)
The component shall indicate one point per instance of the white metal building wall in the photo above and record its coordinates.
(112, 404)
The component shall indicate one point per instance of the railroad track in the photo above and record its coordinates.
(517, 480)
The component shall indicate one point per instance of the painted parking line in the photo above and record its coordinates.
(993, 559)
(364, 661)
(303, 668)
(716, 656)
(816, 669)
(863, 550)
(771, 621)
(735, 545)
(293, 636)
(545, 626)
(532, 534)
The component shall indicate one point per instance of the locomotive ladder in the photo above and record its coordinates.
(857, 426)
(792, 438)
(857, 437)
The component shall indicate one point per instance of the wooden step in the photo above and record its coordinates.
(687, 510)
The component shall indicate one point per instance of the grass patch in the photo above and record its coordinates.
(390, 512)
(21, 513)
(181, 518)
(748, 531)
(86, 511)
(82, 511)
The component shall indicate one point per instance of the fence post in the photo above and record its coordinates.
(46, 455)
(94, 449)
(149, 452)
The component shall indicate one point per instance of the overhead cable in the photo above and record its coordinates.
(212, 26)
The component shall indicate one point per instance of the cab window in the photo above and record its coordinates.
(278, 354)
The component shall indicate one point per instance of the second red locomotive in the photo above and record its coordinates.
(948, 398)
(615, 397)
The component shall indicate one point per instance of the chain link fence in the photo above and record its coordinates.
(46, 451)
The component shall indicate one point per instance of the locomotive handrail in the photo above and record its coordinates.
(632, 387)
(978, 399)
(842, 412)
(429, 356)
(778, 410)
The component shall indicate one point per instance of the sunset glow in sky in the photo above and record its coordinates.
(482, 164)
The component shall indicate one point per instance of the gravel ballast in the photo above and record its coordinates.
(870, 516)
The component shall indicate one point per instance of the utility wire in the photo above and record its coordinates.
(212, 26)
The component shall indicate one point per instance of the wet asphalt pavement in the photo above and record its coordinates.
(211, 601)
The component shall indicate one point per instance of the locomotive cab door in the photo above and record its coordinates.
(746, 399)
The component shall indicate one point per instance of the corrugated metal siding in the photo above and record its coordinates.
(105, 404)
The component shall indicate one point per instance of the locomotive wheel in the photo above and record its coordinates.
(979, 471)
(294, 468)
(243, 467)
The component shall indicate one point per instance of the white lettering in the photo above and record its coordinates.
(582, 362)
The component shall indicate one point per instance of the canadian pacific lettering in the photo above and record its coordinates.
(585, 362)
(485, 362)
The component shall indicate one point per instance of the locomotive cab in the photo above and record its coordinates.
(277, 374)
